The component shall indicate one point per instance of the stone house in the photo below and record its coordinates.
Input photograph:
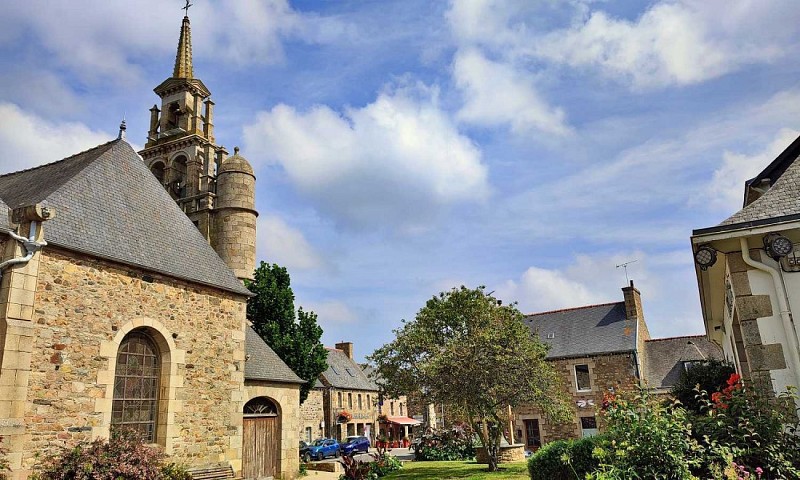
(598, 349)
(745, 270)
(121, 308)
(667, 358)
(312, 414)
(346, 388)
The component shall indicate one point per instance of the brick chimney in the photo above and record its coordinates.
(346, 347)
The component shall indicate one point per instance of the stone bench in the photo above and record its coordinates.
(211, 473)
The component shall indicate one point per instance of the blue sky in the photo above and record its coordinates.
(407, 147)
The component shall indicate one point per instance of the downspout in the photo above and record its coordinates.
(783, 304)
(31, 247)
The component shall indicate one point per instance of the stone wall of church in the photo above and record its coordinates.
(83, 309)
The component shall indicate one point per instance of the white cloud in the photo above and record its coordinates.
(98, 38)
(29, 140)
(588, 280)
(399, 161)
(496, 94)
(676, 42)
(332, 312)
(726, 189)
(282, 244)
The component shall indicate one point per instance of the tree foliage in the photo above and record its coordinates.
(466, 349)
(709, 375)
(296, 339)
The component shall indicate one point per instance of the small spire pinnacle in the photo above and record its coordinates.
(122, 129)
(236, 150)
(183, 59)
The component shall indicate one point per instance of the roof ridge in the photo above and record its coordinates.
(674, 338)
(63, 159)
(572, 308)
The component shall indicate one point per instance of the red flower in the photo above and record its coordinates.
(734, 379)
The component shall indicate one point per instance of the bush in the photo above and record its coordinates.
(123, 457)
(758, 433)
(708, 375)
(384, 464)
(456, 443)
(564, 459)
(646, 439)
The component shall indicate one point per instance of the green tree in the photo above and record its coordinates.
(466, 349)
(296, 339)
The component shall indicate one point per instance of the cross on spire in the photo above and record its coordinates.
(186, 8)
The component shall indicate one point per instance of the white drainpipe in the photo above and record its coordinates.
(31, 247)
(783, 304)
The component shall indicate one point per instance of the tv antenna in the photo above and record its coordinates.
(625, 266)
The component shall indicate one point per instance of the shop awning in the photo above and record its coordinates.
(403, 421)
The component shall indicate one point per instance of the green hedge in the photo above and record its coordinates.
(548, 462)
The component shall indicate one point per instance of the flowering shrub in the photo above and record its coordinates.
(384, 464)
(759, 433)
(455, 443)
(645, 439)
(709, 375)
(123, 457)
(344, 416)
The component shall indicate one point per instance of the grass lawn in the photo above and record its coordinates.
(458, 470)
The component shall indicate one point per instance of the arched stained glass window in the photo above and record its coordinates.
(136, 385)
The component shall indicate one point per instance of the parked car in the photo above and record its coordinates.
(355, 444)
(303, 449)
(322, 448)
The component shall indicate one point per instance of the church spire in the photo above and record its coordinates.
(183, 59)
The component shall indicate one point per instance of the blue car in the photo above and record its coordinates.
(322, 448)
(354, 445)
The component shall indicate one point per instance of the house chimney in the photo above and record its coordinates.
(634, 313)
(346, 347)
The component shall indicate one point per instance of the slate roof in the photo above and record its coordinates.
(109, 205)
(263, 363)
(664, 358)
(345, 373)
(781, 199)
(583, 331)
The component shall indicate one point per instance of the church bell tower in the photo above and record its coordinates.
(182, 154)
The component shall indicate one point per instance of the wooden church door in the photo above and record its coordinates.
(261, 439)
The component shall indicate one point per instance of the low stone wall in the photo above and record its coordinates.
(508, 453)
(325, 466)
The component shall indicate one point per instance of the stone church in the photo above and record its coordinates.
(122, 303)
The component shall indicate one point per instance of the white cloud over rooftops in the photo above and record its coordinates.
(285, 245)
(399, 161)
(29, 140)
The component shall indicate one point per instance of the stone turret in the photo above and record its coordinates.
(234, 231)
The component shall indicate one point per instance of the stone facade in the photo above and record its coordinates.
(287, 397)
(364, 414)
(312, 414)
(83, 309)
(615, 372)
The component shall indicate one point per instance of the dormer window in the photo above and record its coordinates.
(334, 370)
(350, 372)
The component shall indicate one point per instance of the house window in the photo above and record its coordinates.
(334, 370)
(350, 372)
(533, 436)
(136, 385)
(339, 394)
(308, 434)
(349, 400)
(391, 407)
(582, 379)
(360, 406)
(691, 364)
(588, 426)
(401, 409)
(369, 405)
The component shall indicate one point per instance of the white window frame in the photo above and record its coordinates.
(575, 371)
(588, 432)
